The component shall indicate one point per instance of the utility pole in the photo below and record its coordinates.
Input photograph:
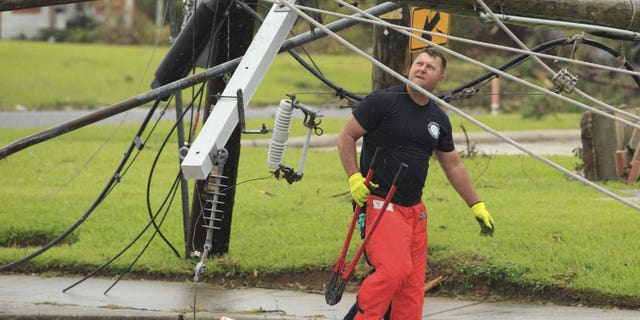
(390, 48)
(231, 42)
(621, 14)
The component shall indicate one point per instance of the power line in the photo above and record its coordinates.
(442, 102)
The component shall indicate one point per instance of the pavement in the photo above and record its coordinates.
(541, 142)
(36, 297)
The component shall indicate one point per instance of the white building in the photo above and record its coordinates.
(27, 23)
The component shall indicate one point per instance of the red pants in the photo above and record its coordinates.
(398, 252)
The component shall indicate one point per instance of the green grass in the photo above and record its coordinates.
(550, 231)
(60, 75)
(55, 75)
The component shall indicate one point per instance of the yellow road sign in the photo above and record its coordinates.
(428, 20)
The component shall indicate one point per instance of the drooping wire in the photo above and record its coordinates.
(115, 178)
(458, 111)
(525, 54)
(472, 42)
(629, 70)
(169, 198)
(522, 57)
(548, 69)
(151, 222)
(152, 170)
(112, 259)
(199, 197)
(494, 70)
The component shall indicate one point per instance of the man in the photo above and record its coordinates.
(407, 127)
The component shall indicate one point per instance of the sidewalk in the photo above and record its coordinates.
(31, 297)
(541, 142)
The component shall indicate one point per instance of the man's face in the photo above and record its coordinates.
(426, 71)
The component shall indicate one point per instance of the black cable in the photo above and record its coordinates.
(195, 94)
(199, 197)
(151, 221)
(524, 56)
(216, 26)
(172, 191)
(148, 201)
(198, 95)
(157, 228)
(152, 170)
(614, 53)
(115, 178)
(246, 181)
(106, 264)
(448, 96)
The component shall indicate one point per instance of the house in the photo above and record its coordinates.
(27, 23)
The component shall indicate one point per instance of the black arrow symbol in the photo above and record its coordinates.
(430, 25)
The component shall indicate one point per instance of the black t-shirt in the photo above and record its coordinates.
(406, 133)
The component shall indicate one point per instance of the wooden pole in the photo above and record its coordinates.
(391, 48)
(239, 27)
(621, 14)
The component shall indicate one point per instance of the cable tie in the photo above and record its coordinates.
(138, 142)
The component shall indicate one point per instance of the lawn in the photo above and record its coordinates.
(552, 233)
(61, 75)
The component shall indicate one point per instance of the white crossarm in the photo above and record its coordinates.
(247, 77)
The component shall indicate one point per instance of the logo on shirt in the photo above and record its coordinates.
(434, 129)
(377, 204)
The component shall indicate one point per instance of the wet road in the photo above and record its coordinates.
(543, 142)
(20, 119)
(30, 297)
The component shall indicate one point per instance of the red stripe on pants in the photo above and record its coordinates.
(398, 252)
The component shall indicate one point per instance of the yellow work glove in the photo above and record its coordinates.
(359, 192)
(484, 219)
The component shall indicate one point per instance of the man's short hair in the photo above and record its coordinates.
(436, 54)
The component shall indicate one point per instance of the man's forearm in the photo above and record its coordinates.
(347, 153)
(461, 182)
